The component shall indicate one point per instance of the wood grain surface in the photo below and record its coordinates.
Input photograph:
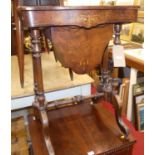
(80, 129)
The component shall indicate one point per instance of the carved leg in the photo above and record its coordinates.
(108, 86)
(116, 102)
(110, 96)
(115, 98)
(43, 118)
(39, 103)
(44, 121)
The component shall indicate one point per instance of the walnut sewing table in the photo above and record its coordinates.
(80, 37)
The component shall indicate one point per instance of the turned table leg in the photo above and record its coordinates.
(40, 103)
(115, 100)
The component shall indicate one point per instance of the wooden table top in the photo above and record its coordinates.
(83, 16)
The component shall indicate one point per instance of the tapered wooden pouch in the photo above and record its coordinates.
(80, 49)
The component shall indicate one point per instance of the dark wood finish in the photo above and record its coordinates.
(81, 40)
(19, 41)
(73, 101)
(117, 30)
(92, 23)
(104, 61)
(79, 129)
(116, 102)
(115, 98)
(39, 103)
(79, 16)
(86, 46)
(13, 38)
(38, 79)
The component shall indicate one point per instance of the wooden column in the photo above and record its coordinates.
(37, 68)
(117, 31)
(39, 103)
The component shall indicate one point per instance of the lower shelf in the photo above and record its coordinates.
(81, 130)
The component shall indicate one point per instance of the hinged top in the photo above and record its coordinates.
(82, 16)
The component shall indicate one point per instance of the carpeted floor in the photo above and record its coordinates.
(19, 144)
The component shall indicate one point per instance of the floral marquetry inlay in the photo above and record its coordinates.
(88, 19)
